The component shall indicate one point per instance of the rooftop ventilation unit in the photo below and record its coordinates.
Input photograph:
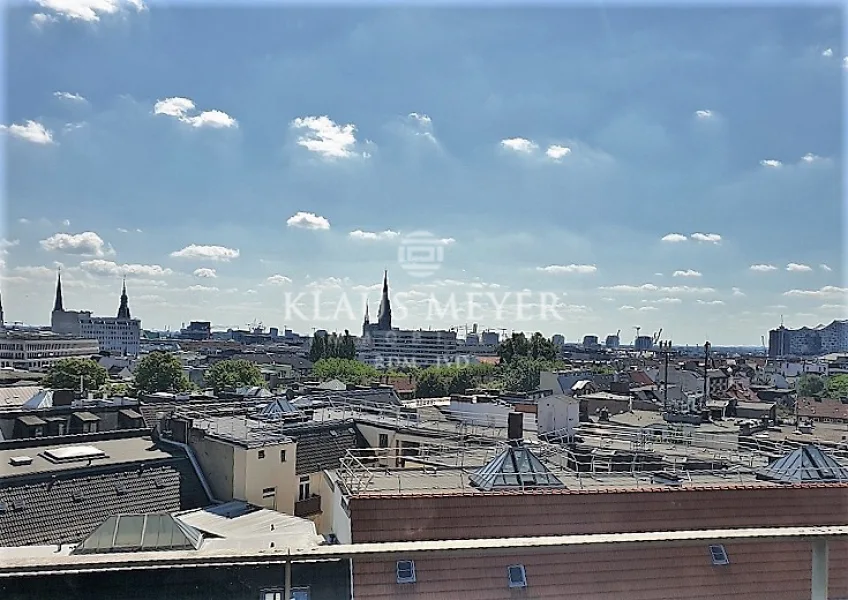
(74, 453)
(20, 461)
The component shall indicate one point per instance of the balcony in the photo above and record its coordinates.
(310, 506)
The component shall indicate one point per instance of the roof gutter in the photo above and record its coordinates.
(196, 465)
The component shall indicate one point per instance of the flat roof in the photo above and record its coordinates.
(115, 452)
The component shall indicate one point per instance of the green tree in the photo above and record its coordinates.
(837, 386)
(229, 375)
(541, 348)
(317, 350)
(461, 380)
(521, 375)
(344, 369)
(347, 347)
(430, 384)
(538, 347)
(160, 372)
(68, 372)
(810, 385)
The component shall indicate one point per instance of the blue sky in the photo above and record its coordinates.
(581, 170)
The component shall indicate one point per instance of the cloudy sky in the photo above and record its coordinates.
(570, 170)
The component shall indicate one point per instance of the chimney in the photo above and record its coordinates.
(63, 397)
(515, 428)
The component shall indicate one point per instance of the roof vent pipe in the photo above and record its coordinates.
(515, 428)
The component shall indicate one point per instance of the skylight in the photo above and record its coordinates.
(405, 571)
(517, 576)
(719, 555)
(74, 453)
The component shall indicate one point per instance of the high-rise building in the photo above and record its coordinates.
(808, 341)
(120, 335)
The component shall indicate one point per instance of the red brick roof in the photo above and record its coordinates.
(823, 409)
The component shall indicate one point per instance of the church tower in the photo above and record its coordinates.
(124, 308)
(384, 314)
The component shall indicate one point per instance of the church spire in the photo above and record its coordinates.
(124, 309)
(384, 314)
(58, 306)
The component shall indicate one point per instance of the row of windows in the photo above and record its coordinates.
(516, 575)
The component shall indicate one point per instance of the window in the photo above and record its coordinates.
(405, 571)
(282, 456)
(517, 576)
(384, 440)
(303, 489)
(300, 593)
(719, 555)
(271, 594)
(261, 454)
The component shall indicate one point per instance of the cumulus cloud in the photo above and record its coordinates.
(30, 131)
(665, 300)
(674, 238)
(809, 157)
(650, 287)
(307, 220)
(763, 268)
(686, 273)
(325, 137)
(703, 114)
(738, 292)
(828, 291)
(373, 236)
(278, 280)
(112, 269)
(39, 20)
(205, 273)
(827, 52)
(799, 268)
(184, 110)
(824, 267)
(627, 307)
(519, 145)
(711, 238)
(70, 97)
(215, 253)
(6, 244)
(37, 271)
(85, 10)
(556, 152)
(771, 163)
(711, 302)
(201, 288)
(87, 243)
(422, 125)
(559, 269)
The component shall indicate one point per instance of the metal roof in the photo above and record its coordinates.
(515, 468)
(807, 464)
(140, 533)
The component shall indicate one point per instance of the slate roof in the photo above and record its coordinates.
(65, 505)
(322, 447)
(807, 464)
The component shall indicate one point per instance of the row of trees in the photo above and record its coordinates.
(156, 372)
(332, 346)
(815, 386)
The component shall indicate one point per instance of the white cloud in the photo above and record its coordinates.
(201, 288)
(66, 223)
(845, 62)
(703, 114)
(666, 300)
(738, 292)
(827, 52)
(23, 221)
(38, 271)
(182, 109)
(828, 291)
(711, 302)
(112, 269)
(422, 119)
(69, 96)
(824, 267)
(519, 145)
(324, 136)
(307, 220)
(373, 235)
(686, 273)
(556, 152)
(771, 163)
(39, 20)
(215, 253)
(712, 238)
(674, 238)
(278, 280)
(31, 131)
(423, 126)
(87, 243)
(122, 230)
(641, 308)
(88, 10)
(762, 268)
(809, 157)
(205, 273)
(650, 287)
(799, 268)
(6, 244)
(328, 283)
(558, 269)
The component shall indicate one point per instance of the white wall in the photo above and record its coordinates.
(558, 414)
(340, 519)
(486, 413)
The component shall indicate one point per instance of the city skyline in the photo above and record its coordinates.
(642, 167)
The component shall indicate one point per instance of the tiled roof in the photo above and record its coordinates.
(824, 408)
(322, 447)
(757, 571)
(68, 505)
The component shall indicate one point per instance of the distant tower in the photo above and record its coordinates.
(366, 322)
(58, 306)
(124, 309)
(384, 314)
(2, 317)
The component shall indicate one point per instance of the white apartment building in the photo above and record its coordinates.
(39, 350)
(408, 347)
(120, 335)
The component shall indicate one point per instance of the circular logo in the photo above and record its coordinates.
(421, 253)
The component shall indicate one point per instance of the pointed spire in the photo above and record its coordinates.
(2, 316)
(58, 305)
(384, 314)
(124, 308)
(367, 319)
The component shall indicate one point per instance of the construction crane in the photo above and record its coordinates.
(657, 337)
(618, 334)
(638, 329)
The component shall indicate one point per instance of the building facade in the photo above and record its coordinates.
(808, 341)
(39, 350)
(119, 335)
